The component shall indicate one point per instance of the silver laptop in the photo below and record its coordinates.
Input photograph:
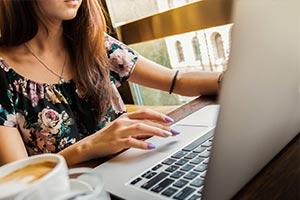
(259, 115)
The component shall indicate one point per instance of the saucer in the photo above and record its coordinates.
(86, 187)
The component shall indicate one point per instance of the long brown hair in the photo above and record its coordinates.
(84, 35)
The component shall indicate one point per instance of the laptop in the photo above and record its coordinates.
(221, 148)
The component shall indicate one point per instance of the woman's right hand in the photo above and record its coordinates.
(123, 132)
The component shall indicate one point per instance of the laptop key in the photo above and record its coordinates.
(150, 175)
(181, 162)
(162, 185)
(172, 168)
(207, 143)
(193, 145)
(180, 183)
(191, 156)
(196, 161)
(195, 197)
(204, 154)
(154, 180)
(206, 161)
(157, 167)
(203, 174)
(199, 149)
(136, 181)
(179, 154)
(181, 195)
(187, 167)
(191, 175)
(200, 190)
(169, 161)
(200, 168)
(169, 192)
(177, 174)
(198, 182)
(145, 174)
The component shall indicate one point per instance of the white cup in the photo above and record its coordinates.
(55, 185)
(50, 186)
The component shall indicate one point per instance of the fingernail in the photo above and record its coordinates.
(174, 132)
(167, 133)
(169, 119)
(151, 146)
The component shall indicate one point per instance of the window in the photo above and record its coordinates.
(218, 46)
(190, 50)
(179, 50)
(196, 48)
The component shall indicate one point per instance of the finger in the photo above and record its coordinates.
(150, 115)
(134, 143)
(158, 125)
(153, 123)
(142, 137)
(124, 120)
(137, 129)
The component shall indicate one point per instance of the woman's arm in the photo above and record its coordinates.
(194, 83)
(12, 147)
(120, 134)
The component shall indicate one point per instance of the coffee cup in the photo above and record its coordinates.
(46, 175)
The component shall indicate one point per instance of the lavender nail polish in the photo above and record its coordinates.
(169, 119)
(174, 132)
(151, 146)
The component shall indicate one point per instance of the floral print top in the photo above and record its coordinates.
(51, 117)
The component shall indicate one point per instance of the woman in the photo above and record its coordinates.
(59, 72)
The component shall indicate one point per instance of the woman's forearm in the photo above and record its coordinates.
(197, 83)
(194, 83)
(120, 135)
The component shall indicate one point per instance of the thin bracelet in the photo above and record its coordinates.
(173, 82)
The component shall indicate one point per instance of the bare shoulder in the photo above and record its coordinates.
(11, 55)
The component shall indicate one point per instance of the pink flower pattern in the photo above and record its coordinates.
(121, 58)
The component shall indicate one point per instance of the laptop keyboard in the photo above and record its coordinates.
(181, 176)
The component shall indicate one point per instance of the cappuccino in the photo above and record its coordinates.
(29, 173)
(23, 177)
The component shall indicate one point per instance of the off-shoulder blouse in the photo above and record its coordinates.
(51, 117)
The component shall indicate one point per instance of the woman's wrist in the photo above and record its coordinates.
(174, 79)
(78, 152)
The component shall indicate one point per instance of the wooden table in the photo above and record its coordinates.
(278, 180)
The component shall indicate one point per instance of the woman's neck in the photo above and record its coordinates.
(50, 39)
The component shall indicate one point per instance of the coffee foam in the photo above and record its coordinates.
(22, 178)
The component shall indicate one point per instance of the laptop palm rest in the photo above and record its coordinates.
(119, 170)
